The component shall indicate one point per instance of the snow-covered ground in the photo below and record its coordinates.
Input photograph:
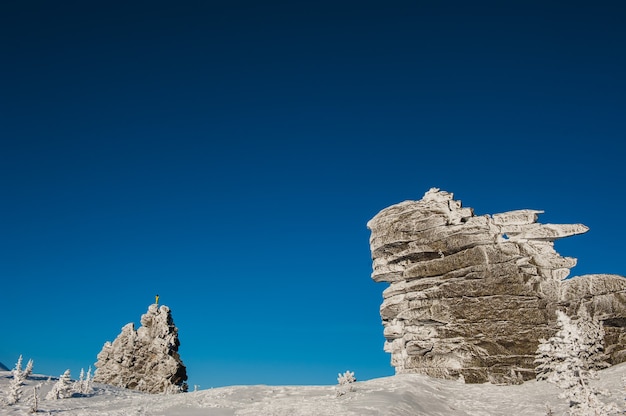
(397, 395)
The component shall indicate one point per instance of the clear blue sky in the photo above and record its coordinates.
(227, 155)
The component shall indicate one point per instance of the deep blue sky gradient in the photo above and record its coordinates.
(227, 155)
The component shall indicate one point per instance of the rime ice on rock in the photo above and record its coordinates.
(472, 295)
(146, 359)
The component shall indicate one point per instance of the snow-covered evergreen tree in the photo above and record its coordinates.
(83, 385)
(62, 389)
(15, 391)
(88, 382)
(592, 340)
(28, 371)
(15, 386)
(77, 387)
(19, 376)
(569, 360)
(17, 370)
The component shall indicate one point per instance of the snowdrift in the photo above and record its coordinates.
(400, 395)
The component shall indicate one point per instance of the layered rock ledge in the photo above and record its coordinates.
(470, 296)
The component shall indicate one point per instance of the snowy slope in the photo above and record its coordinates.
(397, 395)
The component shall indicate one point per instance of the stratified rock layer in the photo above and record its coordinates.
(472, 295)
(146, 359)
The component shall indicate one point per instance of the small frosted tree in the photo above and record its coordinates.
(83, 385)
(570, 359)
(88, 383)
(15, 386)
(345, 381)
(28, 371)
(34, 405)
(592, 341)
(17, 370)
(62, 389)
(77, 387)
(19, 376)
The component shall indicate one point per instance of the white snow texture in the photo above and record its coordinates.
(399, 395)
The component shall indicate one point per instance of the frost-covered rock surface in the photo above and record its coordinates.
(146, 359)
(470, 296)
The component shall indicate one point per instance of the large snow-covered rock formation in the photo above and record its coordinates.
(146, 359)
(470, 296)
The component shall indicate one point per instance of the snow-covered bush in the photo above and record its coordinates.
(346, 378)
(62, 389)
(345, 381)
(570, 359)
